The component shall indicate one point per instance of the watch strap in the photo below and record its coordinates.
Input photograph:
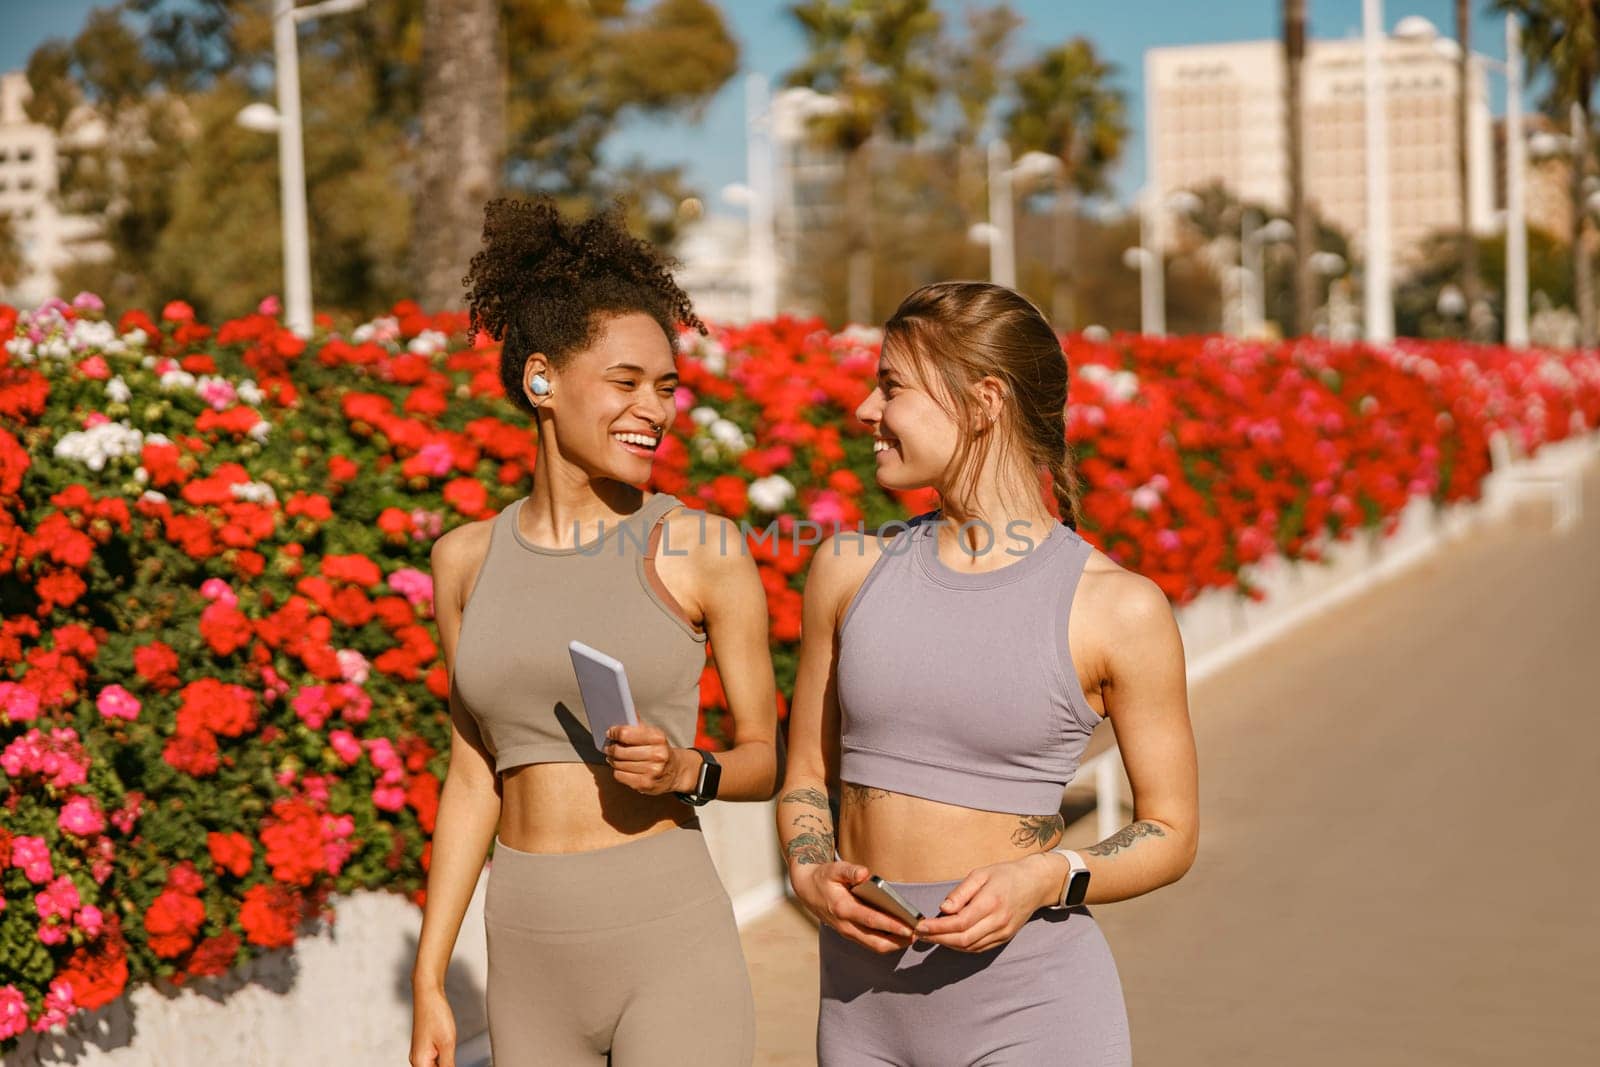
(706, 786)
(1076, 884)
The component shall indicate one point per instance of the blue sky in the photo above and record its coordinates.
(713, 148)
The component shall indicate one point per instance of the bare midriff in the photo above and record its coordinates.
(910, 839)
(579, 807)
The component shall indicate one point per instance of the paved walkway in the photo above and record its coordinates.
(1398, 859)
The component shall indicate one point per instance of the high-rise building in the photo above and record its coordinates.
(1216, 114)
(30, 166)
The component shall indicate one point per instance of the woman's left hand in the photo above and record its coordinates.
(989, 906)
(644, 762)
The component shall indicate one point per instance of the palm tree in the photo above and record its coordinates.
(1294, 54)
(1065, 105)
(460, 155)
(1561, 40)
(872, 57)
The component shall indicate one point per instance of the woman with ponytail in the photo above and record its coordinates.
(611, 939)
(949, 679)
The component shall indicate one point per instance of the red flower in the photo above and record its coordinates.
(229, 710)
(269, 915)
(215, 955)
(171, 922)
(292, 836)
(98, 971)
(194, 753)
(224, 627)
(157, 664)
(466, 496)
(422, 793)
(358, 569)
(230, 852)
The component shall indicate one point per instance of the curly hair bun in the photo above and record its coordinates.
(543, 282)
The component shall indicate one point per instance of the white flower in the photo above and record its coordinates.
(428, 342)
(250, 392)
(117, 390)
(260, 431)
(728, 435)
(136, 338)
(177, 379)
(383, 330)
(153, 496)
(98, 444)
(771, 493)
(704, 416)
(254, 492)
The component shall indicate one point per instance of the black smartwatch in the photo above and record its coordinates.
(710, 777)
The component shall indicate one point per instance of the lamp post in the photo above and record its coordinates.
(1253, 294)
(1379, 295)
(285, 122)
(1146, 258)
(1000, 232)
(1516, 217)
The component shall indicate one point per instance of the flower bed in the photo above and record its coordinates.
(220, 697)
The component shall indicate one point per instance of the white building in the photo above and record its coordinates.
(1216, 113)
(29, 173)
(715, 253)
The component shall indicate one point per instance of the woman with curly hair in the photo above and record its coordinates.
(610, 936)
(950, 676)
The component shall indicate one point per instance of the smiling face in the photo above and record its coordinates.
(914, 433)
(608, 400)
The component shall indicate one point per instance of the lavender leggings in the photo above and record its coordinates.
(1051, 996)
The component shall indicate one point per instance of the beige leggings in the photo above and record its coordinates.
(627, 955)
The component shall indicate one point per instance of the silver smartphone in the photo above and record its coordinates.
(603, 683)
(881, 895)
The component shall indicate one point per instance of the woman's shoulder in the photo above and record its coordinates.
(458, 555)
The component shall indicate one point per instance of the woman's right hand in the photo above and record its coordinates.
(824, 889)
(433, 1029)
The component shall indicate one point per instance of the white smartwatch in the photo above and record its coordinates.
(1076, 886)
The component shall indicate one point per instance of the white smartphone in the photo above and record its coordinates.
(603, 683)
(881, 895)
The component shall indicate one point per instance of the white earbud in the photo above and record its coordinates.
(538, 385)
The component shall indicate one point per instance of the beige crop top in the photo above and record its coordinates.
(513, 671)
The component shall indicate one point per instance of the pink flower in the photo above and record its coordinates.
(412, 584)
(345, 745)
(95, 418)
(436, 458)
(311, 704)
(59, 898)
(116, 702)
(353, 665)
(32, 854)
(13, 1011)
(827, 510)
(269, 306)
(87, 301)
(58, 1006)
(81, 816)
(90, 920)
(357, 705)
(388, 798)
(19, 704)
(95, 367)
(217, 589)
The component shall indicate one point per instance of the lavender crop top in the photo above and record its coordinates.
(959, 687)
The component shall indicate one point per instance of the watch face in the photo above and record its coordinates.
(1078, 889)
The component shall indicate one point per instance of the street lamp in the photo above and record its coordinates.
(762, 117)
(1379, 295)
(1031, 169)
(285, 122)
(1540, 145)
(1253, 293)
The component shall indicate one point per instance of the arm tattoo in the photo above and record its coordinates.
(861, 794)
(1124, 838)
(815, 797)
(1038, 831)
(814, 842)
